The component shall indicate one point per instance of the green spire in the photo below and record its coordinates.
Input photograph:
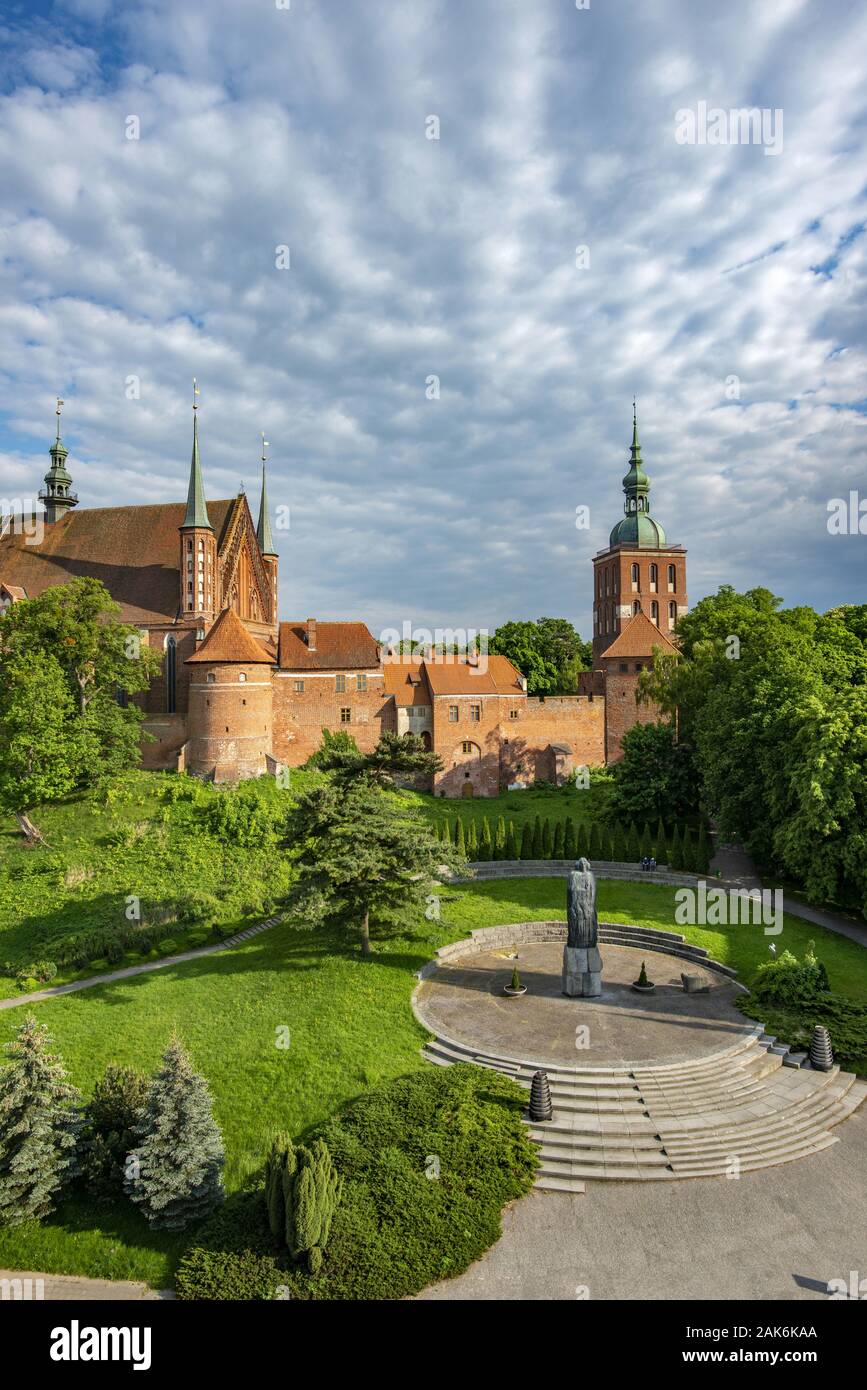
(638, 527)
(263, 529)
(57, 495)
(197, 508)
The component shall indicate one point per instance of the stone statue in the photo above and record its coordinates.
(581, 906)
(582, 961)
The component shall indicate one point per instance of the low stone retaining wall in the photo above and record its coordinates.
(559, 868)
(614, 933)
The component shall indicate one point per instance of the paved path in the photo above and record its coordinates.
(782, 1233)
(739, 871)
(37, 996)
(27, 1286)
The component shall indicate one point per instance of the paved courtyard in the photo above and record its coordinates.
(777, 1234)
(463, 1000)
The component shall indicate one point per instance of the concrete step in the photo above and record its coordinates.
(571, 1185)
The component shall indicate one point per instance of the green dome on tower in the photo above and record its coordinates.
(637, 528)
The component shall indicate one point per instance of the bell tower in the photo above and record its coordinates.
(640, 572)
(199, 577)
(57, 496)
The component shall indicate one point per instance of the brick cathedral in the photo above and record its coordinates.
(242, 693)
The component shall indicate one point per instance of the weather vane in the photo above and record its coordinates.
(57, 413)
(195, 395)
(265, 446)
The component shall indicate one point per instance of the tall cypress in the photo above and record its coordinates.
(473, 842)
(176, 1172)
(661, 847)
(558, 851)
(460, 838)
(570, 848)
(486, 847)
(633, 844)
(40, 1117)
(527, 841)
(537, 839)
(500, 842)
(547, 839)
(512, 842)
(702, 852)
(675, 854)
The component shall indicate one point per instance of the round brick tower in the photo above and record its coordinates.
(230, 704)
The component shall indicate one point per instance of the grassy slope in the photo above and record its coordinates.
(83, 878)
(350, 1026)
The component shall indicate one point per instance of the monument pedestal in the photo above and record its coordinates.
(582, 972)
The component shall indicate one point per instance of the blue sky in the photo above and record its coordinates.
(455, 258)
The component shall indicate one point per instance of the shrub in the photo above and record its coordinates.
(500, 840)
(547, 839)
(39, 972)
(538, 850)
(516, 979)
(234, 1256)
(570, 844)
(460, 838)
(557, 851)
(787, 981)
(472, 842)
(512, 849)
(312, 1189)
(527, 841)
(109, 1134)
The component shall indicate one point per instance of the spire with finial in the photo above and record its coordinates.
(263, 529)
(197, 509)
(638, 527)
(57, 496)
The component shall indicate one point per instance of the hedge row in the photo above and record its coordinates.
(681, 849)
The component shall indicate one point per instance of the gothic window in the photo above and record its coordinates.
(171, 673)
(636, 608)
(654, 612)
(634, 577)
(672, 584)
(654, 578)
(672, 616)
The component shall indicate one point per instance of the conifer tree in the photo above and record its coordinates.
(661, 848)
(596, 846)
(486, 848)
(311, 1194)
(547, 839)
(175, 1173)
(618, 844)
(633, 844)
(702, 851)
(279, 1167)
(675, 855)
(557, 851)
(645, 845)
(570, 848)
(584, 841)
(527, 841)
(473, 843)
(39, 1124)
(537, 839)
(500, 842)
(512, 850)
(608, 844)
(460, 839)
(687, 852)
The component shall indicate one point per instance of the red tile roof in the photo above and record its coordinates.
(339, 647)
(451, 675)
(229, 640)
(638, 638)
(134, 551)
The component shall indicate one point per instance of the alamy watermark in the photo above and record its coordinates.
(720, 907)
(740, 125)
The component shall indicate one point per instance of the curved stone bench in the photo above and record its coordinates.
(602, 868)
(615, 933)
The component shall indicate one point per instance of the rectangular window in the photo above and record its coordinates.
(361, 682)
(339, 682)
(345, 716)
(513, 714)
(475, 713)
(299, 687)
(453, 714)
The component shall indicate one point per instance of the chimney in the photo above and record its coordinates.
(311, 634)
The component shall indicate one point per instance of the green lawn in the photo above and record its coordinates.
(350, 1027)
(557, 804)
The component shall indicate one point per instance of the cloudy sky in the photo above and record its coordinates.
(721, 284)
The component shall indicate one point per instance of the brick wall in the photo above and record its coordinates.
(622, 710)
(300, 716)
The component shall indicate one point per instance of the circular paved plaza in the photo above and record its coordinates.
(463, 1000)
